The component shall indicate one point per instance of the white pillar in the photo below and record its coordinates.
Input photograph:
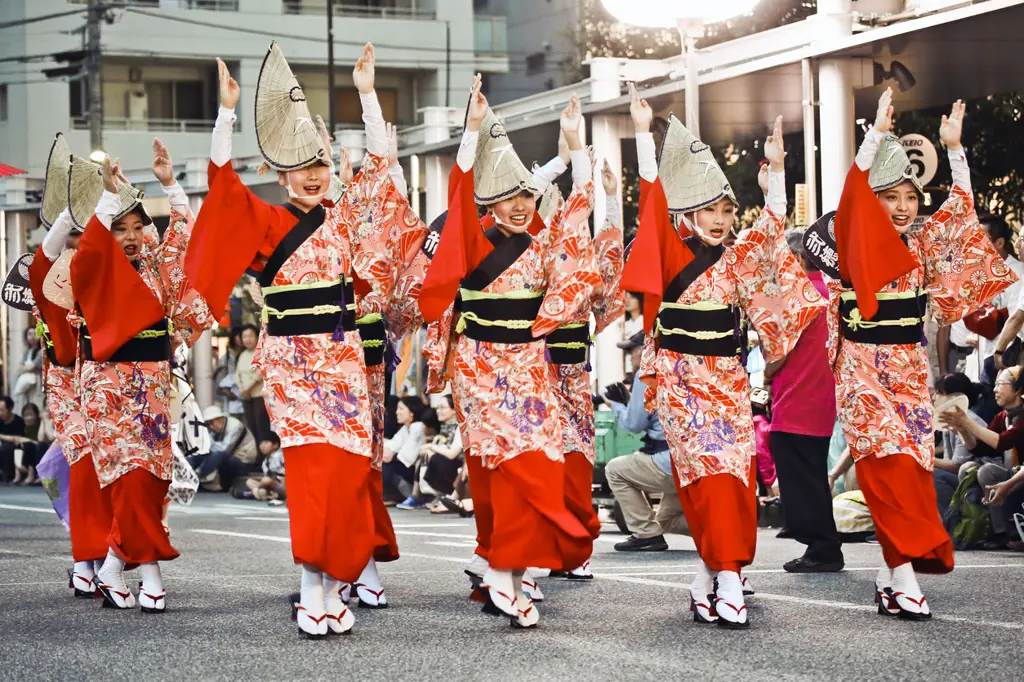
(810, 127)
(354, 142)
(835, 93)
(606, 133)
(436, 170)
(202, 351)
(604, 78)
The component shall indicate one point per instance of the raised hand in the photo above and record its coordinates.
(563, 147)
(774, 150)
(640, 110)
(111, 172)
(229, 90)
(952, 126)
(392, 132)
(570, 121)
(762, 178)
(345, 173)
(363, 73)
(163, 169)
(608, 179)
(883, 117)
(477, 106)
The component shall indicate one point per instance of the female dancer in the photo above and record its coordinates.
(136, 304)
(89, 511)
(315, 268)
(875, 340)
(512, 290)
(693, 303)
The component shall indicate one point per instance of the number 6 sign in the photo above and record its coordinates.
(922, 155)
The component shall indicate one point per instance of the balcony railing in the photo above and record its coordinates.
(215, 5)
(344, 10)
(490, 36)
(152, 125)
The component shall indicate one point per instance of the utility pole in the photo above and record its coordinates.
(92, 66)
(330, 66)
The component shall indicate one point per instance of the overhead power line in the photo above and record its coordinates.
(44, 17)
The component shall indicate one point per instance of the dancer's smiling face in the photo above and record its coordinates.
(714, 222)
(128, 232)
(308, 185)
(514, 215)
(901, 204)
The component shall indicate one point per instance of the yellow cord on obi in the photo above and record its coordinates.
(370, 319)
(43, 332)
(473, 295)
(856, 322)
(699, 335)
(572, 345)
(328, 309)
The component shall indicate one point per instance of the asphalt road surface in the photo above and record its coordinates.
(228, 618)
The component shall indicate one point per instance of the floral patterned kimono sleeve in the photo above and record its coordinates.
(403, 312)
(773, 290)
(569, 264)
(610, 304)
(370, 208)
(835, 290)
(962, 269)
(187, 310)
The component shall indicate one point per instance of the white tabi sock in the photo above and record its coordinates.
(368, 587)
(703, 583)
(85, 569)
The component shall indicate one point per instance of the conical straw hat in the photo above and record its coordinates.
(57, 285)
(892, 166)
(55, 189)
(550, 202)
(689, 173)
(85, 187)
(498, 173)
(285, 131)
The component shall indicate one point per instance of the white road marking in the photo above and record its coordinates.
(460, 545)
(601, 570)
(812, 602)
(18, 507)
(233, 534)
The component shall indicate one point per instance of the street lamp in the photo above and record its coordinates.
(689, 16)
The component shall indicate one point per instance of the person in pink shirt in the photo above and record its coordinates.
(803, 415)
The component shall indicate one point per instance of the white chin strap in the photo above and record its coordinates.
(708, 239)
(317, 197)
(511, 227)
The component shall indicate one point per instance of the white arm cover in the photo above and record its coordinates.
(373, 119)
(107, 208)
(776, 199)
(548, 173)
(613, 212)
(176, 196)
(646, 157)
(958, 166)
(582, 173)
(398, 177)
(53, 242)
(467, 151)
(868, 149)
(220, 148)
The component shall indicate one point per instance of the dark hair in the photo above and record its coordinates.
(235, 333)
(961, 383)
(33, 407)
(450, 399)
(429, 418)
(8, 401)
(414, 404)
(998, 228)
(640, 299)
(273, 438)
(247, 327)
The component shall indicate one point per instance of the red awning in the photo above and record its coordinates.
(6, 170)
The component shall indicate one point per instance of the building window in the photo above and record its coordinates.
(536, 63)
(3, 102)
(347, 108)
(76, 97)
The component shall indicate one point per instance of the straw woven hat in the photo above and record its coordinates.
(689, 173)
(892, 166)
(85, 187)
(57, 285)
(285, 131)
(498, 173)
(55, 187)
(550, 202)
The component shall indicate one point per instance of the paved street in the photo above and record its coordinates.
(228, 617)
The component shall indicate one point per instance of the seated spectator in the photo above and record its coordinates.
(422, 492)
(443, 453)
(957, 459)
(402, 451)
(271, 485)
(1005, 435)
(28, 387)
(39, 435)
(12, 437)
(233, 451)
(649, 471)
(250, 385)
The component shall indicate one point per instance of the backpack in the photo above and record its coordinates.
(967, 520)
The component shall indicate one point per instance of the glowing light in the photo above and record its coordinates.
(667, 13)
(98, 155)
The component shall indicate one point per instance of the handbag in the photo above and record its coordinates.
(987, 321)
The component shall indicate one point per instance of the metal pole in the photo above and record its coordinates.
(330, 65)
(810, 153)
(92, 30)
(689, 31)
